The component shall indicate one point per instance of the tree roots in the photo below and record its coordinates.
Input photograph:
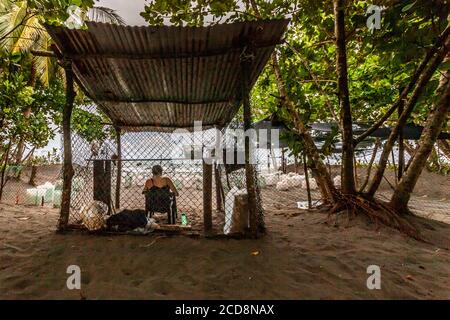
(377, 211)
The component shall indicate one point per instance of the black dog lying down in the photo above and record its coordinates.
(127, 220)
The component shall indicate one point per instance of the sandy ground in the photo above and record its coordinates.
(301, 257)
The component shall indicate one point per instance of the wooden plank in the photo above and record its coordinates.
(207, 197)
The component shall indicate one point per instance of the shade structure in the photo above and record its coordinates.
(163, 78)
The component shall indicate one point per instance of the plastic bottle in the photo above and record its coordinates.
(184, 220)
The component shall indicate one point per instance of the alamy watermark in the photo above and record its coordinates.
(229, 147)
(73, 282)
(75, 19)
(374, 280)
(374, 20)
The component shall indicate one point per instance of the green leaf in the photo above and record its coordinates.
(408, 7)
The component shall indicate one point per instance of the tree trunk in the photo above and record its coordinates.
(409, 107)
(67, 163)
(319, 169)
(369, 167)
(4, 164)
(401, 148)
(427, 140)
(323, 178)
(33, 174)
(432, 164)
(347, 168)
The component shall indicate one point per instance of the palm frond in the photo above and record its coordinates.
(104, 14)
(45, 66)
(11, 24)
(29, 35)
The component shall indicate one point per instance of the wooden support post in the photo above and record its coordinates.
(219, 198)
(308, 189)
(246, 60)
(67, 143)
(119, 166)
(207, 197)
(295, 164)
(274, 160)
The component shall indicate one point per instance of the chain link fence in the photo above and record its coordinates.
(39, 185)
(117, 177)
(283, 182)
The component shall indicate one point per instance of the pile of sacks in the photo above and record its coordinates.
(94, 215)
(284, 182)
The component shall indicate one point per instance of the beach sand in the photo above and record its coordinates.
(301, 257)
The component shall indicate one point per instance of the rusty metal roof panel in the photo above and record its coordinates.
(145, 78)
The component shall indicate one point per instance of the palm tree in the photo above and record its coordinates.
(21, 31)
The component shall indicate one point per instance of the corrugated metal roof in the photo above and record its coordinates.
(161, 78)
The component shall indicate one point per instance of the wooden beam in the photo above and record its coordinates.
(207, 197)
(43, 53)
(172, 101)
(119, 165)
(67, 138)
(162, 56)
(167, 126)
(246, 60)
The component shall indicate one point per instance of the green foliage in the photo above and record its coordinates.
(15, 97)
(27, 113)
(186, 12)
(90, 126)
(52, 157)
(32, 92)
(55, 11)
(380, 62)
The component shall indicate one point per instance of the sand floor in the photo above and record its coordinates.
(301, 257)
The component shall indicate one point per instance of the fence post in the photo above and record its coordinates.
(219, 200)
(67, 163)
(308, 189)
(246, 60)
(207, 197)
(119, 165)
